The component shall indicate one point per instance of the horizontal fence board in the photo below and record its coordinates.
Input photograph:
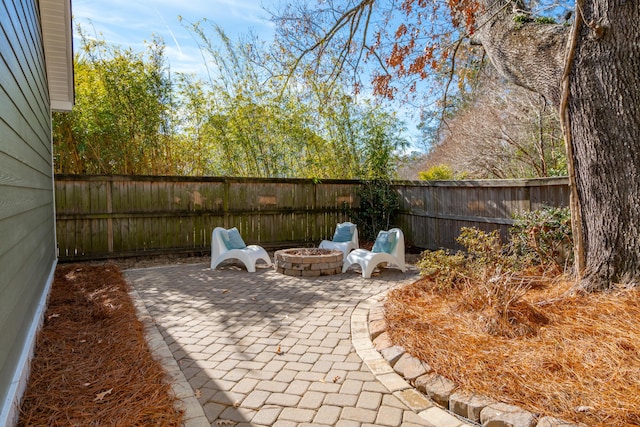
(119, 216)
(432, 213)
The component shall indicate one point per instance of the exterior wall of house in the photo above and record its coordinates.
(27, 218)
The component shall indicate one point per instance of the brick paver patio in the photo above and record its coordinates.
(265, 349)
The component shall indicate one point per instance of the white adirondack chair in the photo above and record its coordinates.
(342, 245)
(224, 248)
(389, 249)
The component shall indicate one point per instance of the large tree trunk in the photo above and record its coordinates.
(602, 118)
(604, 113)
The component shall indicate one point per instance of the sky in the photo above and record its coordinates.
(131, 22)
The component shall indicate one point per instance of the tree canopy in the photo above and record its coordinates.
(585, 68)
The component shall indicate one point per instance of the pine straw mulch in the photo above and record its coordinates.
(92, 365)
(576, 358)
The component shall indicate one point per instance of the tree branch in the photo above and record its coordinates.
(528, 54)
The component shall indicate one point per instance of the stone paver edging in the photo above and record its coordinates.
(383, 371)
(193, 413)
(413, 382)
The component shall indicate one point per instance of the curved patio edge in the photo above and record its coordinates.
(483, 409)
(384, 372)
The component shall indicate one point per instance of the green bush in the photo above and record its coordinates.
(483, 258)
(543, 236)
(539, 237)
(378, 203)
(493, 278)
(437, 173)
(485, 248)
(522, 19)
(545, 20)
(445, 270)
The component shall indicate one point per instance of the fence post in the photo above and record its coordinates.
(527, 198)
(109, 217)
(225, 203)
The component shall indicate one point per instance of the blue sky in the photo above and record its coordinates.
(131, 22)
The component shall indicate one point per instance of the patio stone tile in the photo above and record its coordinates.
(341, 399)
(351, 387)
(272, 386)
(267, 349)
(297, 414)
(245, 385)
(298, 387)
(283, 399)
(286, 376)
(327, 415)
(256, 399)
(312, 400)
(266, 416)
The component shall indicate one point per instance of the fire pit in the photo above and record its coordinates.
(308, 262)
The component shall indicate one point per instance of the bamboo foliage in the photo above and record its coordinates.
(122, 118)
(134, 117)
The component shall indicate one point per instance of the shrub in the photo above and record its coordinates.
(544, 20)
(446, 271)
(437, 173)
(485, 248)
(482, 259)
(378, 203)
(543, 236)
(488, 276)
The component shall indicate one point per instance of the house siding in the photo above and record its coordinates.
(27, 219)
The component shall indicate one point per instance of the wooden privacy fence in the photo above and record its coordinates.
(119, 216)
(432, 213)
(108, 216)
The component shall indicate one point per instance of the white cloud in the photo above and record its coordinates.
(131, 22)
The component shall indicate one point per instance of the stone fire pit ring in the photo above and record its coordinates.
(308, 262)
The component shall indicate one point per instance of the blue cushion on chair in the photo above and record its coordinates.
(344, 232)
(384, 242)
(232, 239)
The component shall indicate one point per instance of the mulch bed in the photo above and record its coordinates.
(578, 360)
(575, 357)
(92, 365)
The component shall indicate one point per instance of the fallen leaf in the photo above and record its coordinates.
(226, 423)
(279, 351)
(101, 395)
(336, 378)
(226, 291)
(197, 393)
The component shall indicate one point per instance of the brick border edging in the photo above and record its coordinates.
(194, 415)
(382, 370)
(394, 369)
